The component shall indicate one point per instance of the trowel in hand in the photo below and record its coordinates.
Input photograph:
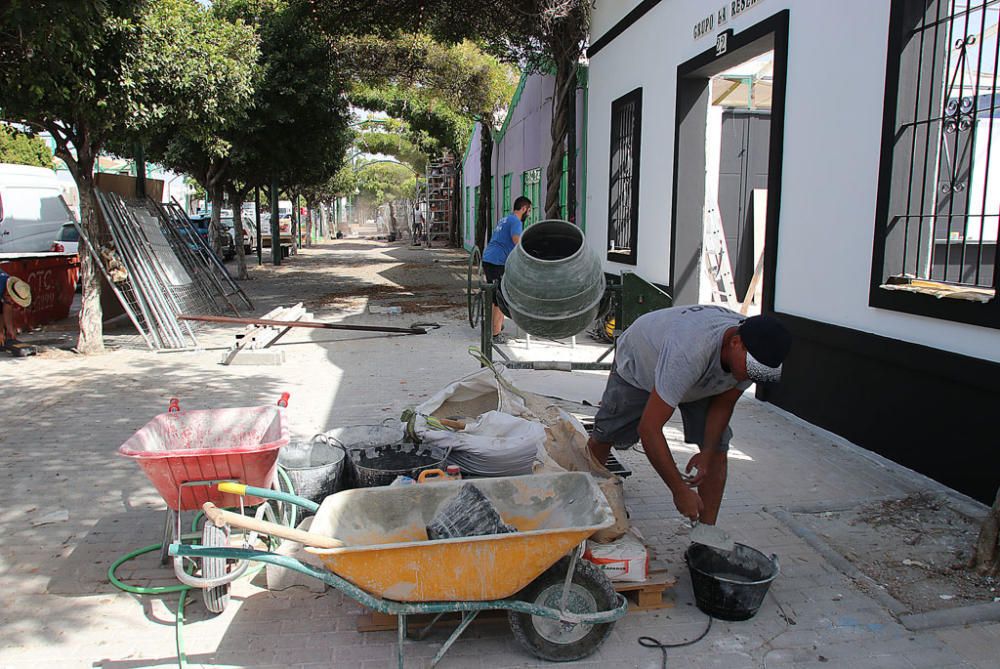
(710, 535)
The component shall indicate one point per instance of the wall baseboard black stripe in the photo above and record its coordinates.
(641, 9)
(930, 410)
(955, 367)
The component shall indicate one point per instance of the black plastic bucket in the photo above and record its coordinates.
(380, 465)
(730, 585)
(315, 468)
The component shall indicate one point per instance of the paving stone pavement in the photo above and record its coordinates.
(62, 418)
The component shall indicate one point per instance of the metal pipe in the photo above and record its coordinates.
(125, 302)
(301, 324)
(133, 276)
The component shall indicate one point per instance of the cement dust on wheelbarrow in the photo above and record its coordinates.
(559, 607)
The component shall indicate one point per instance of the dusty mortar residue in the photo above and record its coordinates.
(917, 547)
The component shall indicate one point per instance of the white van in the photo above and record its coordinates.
(32, 210)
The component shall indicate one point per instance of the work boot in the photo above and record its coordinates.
(500, 338)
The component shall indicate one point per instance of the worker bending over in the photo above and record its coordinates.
(699, 358)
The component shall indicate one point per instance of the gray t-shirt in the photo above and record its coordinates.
(676, 351)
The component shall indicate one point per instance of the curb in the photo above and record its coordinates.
(895, 607)
(915, 622)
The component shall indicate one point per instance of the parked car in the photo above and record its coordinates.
(249, 232)
(249, 235)
(201, 224)
(67, 241)
(32, 210)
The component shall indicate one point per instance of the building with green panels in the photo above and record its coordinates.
(521, 150)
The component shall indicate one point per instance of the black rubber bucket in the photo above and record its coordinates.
(730, 585)
(315, 468)
(380, 465)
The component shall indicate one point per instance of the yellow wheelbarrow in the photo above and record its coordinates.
(374, 544)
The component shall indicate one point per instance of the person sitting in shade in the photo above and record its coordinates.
(14, 294)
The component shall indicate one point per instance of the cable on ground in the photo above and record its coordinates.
(650, 642)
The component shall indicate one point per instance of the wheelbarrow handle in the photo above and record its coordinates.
(222, 517)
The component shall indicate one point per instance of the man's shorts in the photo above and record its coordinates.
(494, 274)
(617, 421)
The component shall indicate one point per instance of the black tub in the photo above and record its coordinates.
(730, 585)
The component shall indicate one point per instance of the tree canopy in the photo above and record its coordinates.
(95, 71)
(20, 148)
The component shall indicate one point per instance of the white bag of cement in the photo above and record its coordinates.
(496, 444)
(564, 447)
(625, 559)
(474, 395)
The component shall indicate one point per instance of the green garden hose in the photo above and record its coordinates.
(156, 590)
(180, 587)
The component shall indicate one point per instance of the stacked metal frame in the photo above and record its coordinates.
(186, 246)
(193, 295)
(198, 255)
(108, 261)
(154, 277)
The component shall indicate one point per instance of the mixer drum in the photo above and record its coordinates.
(553, 283)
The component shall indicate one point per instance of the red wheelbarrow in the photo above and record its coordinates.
(186, 453)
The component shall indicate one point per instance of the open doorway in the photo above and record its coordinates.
(730, 105)
(737, 148)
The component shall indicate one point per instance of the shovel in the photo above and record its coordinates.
(710, 535)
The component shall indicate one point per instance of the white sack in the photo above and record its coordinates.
(497, 444)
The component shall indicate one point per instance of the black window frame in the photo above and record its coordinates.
(903, 15)
(631, 206)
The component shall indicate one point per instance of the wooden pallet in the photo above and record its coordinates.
(646, 596)
(649, 595)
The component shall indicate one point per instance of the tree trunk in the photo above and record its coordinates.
(309, 223)
(393, 224)
(91, 340)
(986, 559)
(484, 213)
(236, 202)
(564, 87)
(214, 224)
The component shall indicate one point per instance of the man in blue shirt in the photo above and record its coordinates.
(505, 237)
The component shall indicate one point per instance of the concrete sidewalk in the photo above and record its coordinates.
(62, 418)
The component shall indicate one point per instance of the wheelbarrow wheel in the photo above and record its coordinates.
(590, 592)
(217, 598)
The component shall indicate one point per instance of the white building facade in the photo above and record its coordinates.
(876, 205)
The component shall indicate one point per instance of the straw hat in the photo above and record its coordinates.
(19, 291)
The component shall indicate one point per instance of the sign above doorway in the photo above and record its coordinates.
(707, 25)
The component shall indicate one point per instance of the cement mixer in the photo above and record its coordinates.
(554, 287)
